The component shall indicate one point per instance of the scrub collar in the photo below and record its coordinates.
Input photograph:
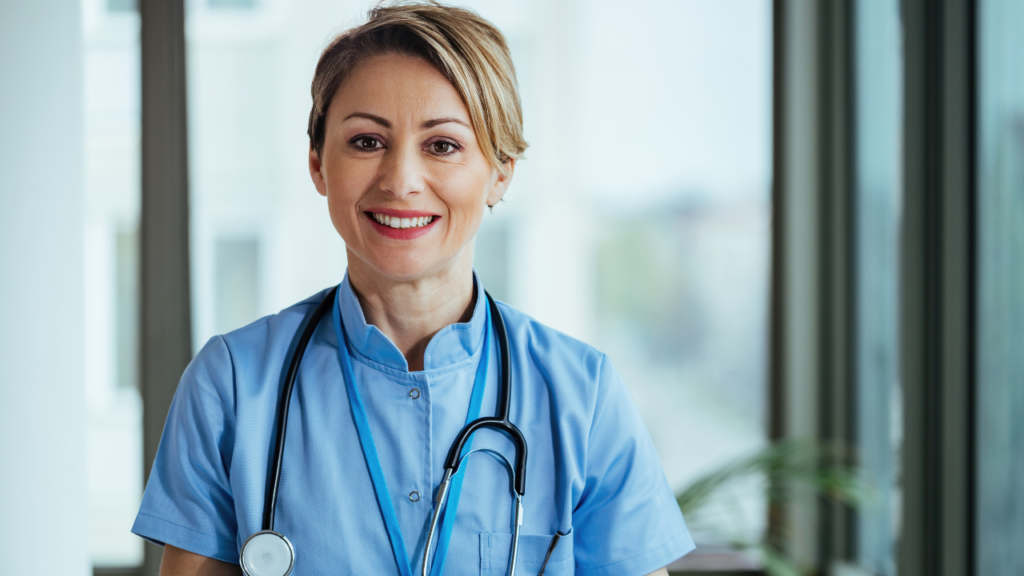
(451, 345)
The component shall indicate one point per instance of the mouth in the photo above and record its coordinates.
(401, 224)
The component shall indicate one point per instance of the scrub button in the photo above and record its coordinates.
(414, 496)
(414, 394)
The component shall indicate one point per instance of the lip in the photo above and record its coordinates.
(401, 233)
(401, 213)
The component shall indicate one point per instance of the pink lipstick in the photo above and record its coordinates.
(401, 224)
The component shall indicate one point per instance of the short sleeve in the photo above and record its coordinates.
(188, 501)
(626, 522)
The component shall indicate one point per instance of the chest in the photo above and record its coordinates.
(327, 504)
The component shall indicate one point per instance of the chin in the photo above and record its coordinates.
(404, 267)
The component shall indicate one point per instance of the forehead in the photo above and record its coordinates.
(399, 87)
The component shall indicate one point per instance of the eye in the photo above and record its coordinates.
(443, 147)
(366, 143)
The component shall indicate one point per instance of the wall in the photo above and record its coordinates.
(42, 416)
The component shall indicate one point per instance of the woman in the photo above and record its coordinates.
(416, 127)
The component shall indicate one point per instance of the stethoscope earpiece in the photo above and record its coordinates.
(267, 553)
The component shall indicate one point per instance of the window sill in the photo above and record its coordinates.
(717, 561)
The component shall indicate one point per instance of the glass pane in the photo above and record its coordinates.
(674, 153)
(1000, 304)
(879, 99)
(261, 236)
(237, 282)
(639, 221)
(111, 170)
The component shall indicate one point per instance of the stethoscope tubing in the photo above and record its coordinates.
(274, 471)
(500, 422)
(442, 497)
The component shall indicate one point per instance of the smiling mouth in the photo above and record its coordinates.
(401, 223)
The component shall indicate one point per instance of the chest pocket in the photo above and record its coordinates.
(494, 551)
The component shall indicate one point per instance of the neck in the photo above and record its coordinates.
(411, 312)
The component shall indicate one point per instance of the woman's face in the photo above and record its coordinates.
(405, 179)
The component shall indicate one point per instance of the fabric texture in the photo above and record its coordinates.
(592, 471)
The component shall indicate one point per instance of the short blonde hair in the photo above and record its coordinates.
(467, 49)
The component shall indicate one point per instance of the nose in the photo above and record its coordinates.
(401, 172)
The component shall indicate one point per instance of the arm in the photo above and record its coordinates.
(178, 562)
(626, 519)
(188, 502)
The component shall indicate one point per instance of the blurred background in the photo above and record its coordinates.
(784, 219)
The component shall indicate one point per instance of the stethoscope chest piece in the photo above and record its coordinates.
(267, 553)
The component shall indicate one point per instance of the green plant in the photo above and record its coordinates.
(784, 468)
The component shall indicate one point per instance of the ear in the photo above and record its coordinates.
(501, 184)
(316, 172)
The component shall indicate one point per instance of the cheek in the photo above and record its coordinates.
(466, 199)
(346, 182)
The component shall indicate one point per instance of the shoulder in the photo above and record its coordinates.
(547, 344)
(570, 368)
(269, 331)
(247, 353)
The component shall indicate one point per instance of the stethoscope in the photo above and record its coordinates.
(270, 553)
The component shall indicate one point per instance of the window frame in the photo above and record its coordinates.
(813, 380)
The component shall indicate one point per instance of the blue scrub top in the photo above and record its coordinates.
(592, 471)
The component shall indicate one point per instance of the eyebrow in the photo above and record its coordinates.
(382, 121)
(439, 121)
(426, 125)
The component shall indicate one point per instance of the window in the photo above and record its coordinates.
(237, 282)
(1000, 308)
(121, 6)
(879, 427)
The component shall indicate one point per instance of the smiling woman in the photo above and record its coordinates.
(415, 129)
(399, 146)
(410, 154)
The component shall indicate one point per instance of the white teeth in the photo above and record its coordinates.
(395, 222)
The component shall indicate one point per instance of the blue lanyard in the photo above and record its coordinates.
(380, 487)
